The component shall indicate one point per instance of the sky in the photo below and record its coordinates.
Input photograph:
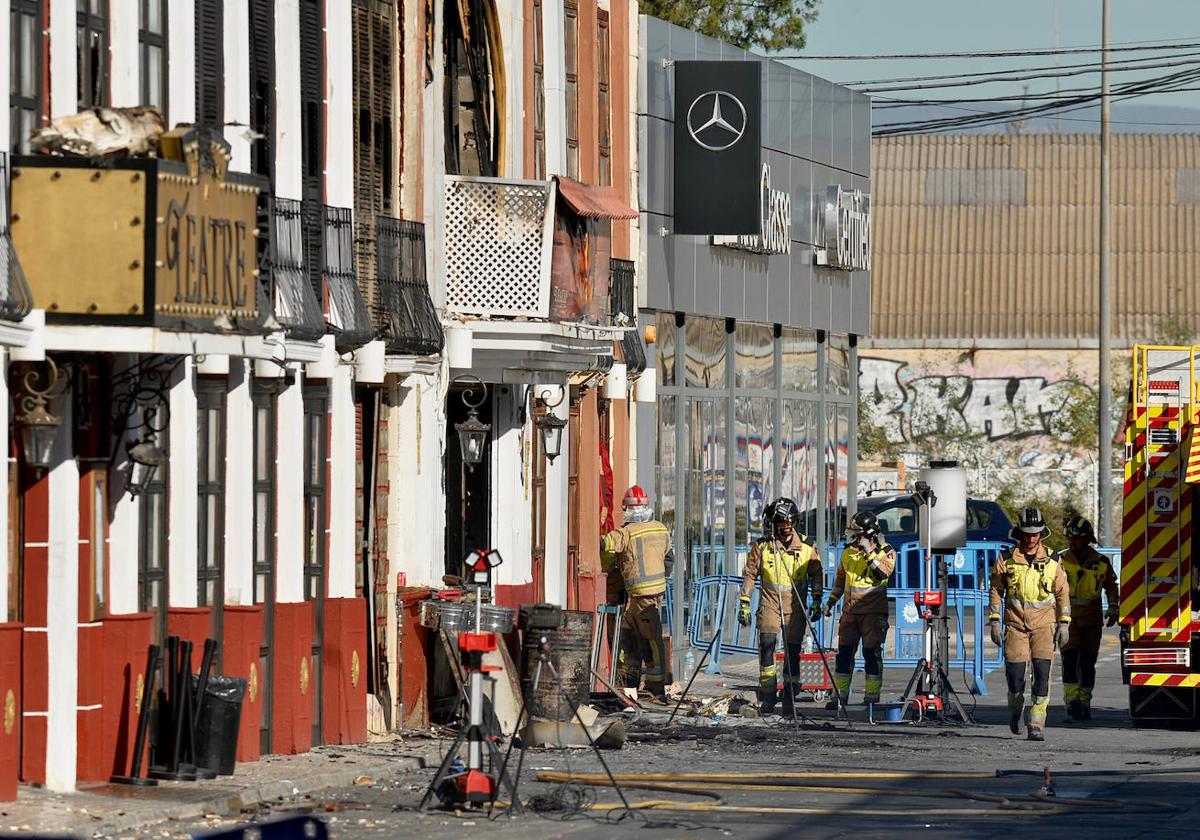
(902, 26)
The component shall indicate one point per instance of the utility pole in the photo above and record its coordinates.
(1104, 381)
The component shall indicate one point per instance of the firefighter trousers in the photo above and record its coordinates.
(1079, 661)
(871, 630)
(643, 652)
(1014, 673)
(768, 677)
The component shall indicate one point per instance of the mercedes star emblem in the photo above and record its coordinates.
(716, 120)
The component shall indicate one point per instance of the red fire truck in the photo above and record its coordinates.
(1160, 631)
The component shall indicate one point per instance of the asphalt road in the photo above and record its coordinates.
(1107, 778)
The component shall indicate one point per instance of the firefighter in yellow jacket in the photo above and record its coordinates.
(1088, 575)
(1031, 585)
(790, 568)
(641, 549)
(866, 564)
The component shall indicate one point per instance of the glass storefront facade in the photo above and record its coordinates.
(749, 412)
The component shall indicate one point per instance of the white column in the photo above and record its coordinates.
(339, 104)
(512, 32)
(416, 498)
(122, 545)
(343, 463)
(64, 95)
(239, 486)
(510, 486)
(181, 495)
(124, 55)
(553, 49)
(288, 148)
(181, 58)
(289, 518)
(236, 43)
(62, 611)
(557, 487)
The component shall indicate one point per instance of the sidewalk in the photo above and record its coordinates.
(104, 810)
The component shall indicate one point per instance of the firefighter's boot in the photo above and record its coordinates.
(1074, 710)
(841, 687)
(1037, 718)
(872, 689)
(766, 701)
(789, 703)
(1016, 708)
(1085, 709)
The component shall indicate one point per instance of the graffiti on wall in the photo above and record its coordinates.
(913, 405)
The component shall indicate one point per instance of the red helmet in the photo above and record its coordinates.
(635, 496)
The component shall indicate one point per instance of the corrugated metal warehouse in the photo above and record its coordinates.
(992, 240)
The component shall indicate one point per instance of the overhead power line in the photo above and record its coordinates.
(1147, 45)
(1051, 70)
(1014, 76)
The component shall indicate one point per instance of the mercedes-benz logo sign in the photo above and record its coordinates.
(716, 120)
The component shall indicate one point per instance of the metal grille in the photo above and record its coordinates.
(405, 311)
(348, 316)
(15, 298)
(296, 308)
(498, 246)
(623, 274)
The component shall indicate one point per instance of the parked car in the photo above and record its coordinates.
(986, 520)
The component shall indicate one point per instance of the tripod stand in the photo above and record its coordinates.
(543, 648)
(929, 690)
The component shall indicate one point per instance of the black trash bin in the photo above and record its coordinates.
(217, 724)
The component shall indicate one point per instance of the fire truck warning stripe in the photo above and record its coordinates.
(1166, 680)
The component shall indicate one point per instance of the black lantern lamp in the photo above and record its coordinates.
(39, 428)
(551, 426)
(145, 457)
(472, 432)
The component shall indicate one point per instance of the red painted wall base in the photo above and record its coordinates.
(344, 711)
(10, 709)
(243, 637)
(294, 683)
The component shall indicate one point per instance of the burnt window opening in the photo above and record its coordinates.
(262, 84)
(472, 108)
(603, 100)
(210, 62)
(25, 63)
(539, 94)
(152, 53)
(91, 44)
(571, 67)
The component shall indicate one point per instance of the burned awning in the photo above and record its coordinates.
(345, 310)
(593, 202)
(408, 322)
(293, 302)
(15, 299)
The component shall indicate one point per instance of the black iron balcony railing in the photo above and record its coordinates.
(347, 314)
(15, 298)
(623, 274)
(406, 317)
(294, 304)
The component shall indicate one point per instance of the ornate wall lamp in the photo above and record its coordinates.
(472, 432)
(39, 428)
(551, 425)
(140, 405)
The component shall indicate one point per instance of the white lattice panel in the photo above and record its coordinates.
(498, 246)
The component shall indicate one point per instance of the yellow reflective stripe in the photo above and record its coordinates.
(1027, 605)
(861, 589)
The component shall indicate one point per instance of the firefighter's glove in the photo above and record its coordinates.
(814, 611)
(744, 610)
(828, 609)
(1110, 616)
(997, 633)
(1063, 635)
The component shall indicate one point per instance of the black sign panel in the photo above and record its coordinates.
(718, 147)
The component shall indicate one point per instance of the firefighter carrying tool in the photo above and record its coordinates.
(789, 567)
(641, 549)
(1088, 574)
(866, 564)
(1033, 588)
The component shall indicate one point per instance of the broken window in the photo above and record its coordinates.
(473, 106)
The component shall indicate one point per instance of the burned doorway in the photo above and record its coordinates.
(468, 487)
